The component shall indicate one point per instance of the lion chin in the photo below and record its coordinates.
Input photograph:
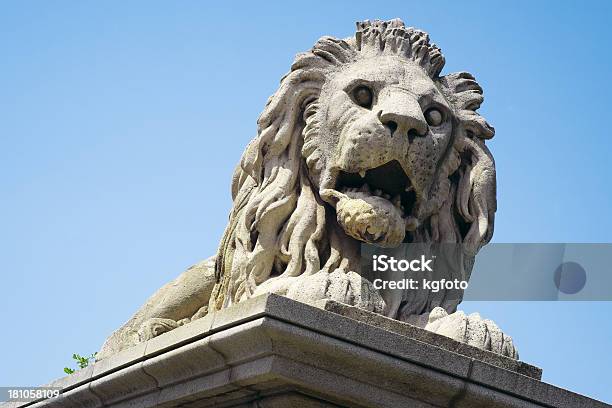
(364, 142)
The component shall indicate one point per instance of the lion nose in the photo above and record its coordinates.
(411, 124)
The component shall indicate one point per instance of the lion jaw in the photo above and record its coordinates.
(379, 216)
(370, 219)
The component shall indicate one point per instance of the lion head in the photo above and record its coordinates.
(364, 142)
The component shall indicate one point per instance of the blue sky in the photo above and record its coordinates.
(121, 122)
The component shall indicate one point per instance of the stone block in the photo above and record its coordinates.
(272, 351)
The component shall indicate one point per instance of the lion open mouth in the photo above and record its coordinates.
(388, 181)
(375, 205)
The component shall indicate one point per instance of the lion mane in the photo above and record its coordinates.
(280, 227)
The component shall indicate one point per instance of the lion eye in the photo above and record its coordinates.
(433, 117)
(363, 96)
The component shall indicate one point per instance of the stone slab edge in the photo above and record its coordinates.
(438, 340)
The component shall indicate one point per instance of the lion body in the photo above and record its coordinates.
(364, 142)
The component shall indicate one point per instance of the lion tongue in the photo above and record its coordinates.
(365, 191)
(333, 197)
(369, 218)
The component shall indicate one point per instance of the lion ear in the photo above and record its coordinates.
(465, 95)
(475, 193)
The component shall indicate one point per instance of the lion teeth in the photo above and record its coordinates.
(365, 188)
(408, 189)
(397, 201)
(362, 173)
(411, 223)
(378, 192)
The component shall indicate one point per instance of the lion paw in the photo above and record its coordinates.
(473, 330)
(344, 287)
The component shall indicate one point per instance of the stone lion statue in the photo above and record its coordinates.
(364, 142)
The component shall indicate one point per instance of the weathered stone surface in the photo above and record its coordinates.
(365, 141)
(271, 350)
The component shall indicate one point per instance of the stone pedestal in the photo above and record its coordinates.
(274, 352)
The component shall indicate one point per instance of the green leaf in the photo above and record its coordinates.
(81, 362)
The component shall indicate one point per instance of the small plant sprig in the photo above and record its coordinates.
(81, 362)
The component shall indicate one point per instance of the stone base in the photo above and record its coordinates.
(271, 351)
